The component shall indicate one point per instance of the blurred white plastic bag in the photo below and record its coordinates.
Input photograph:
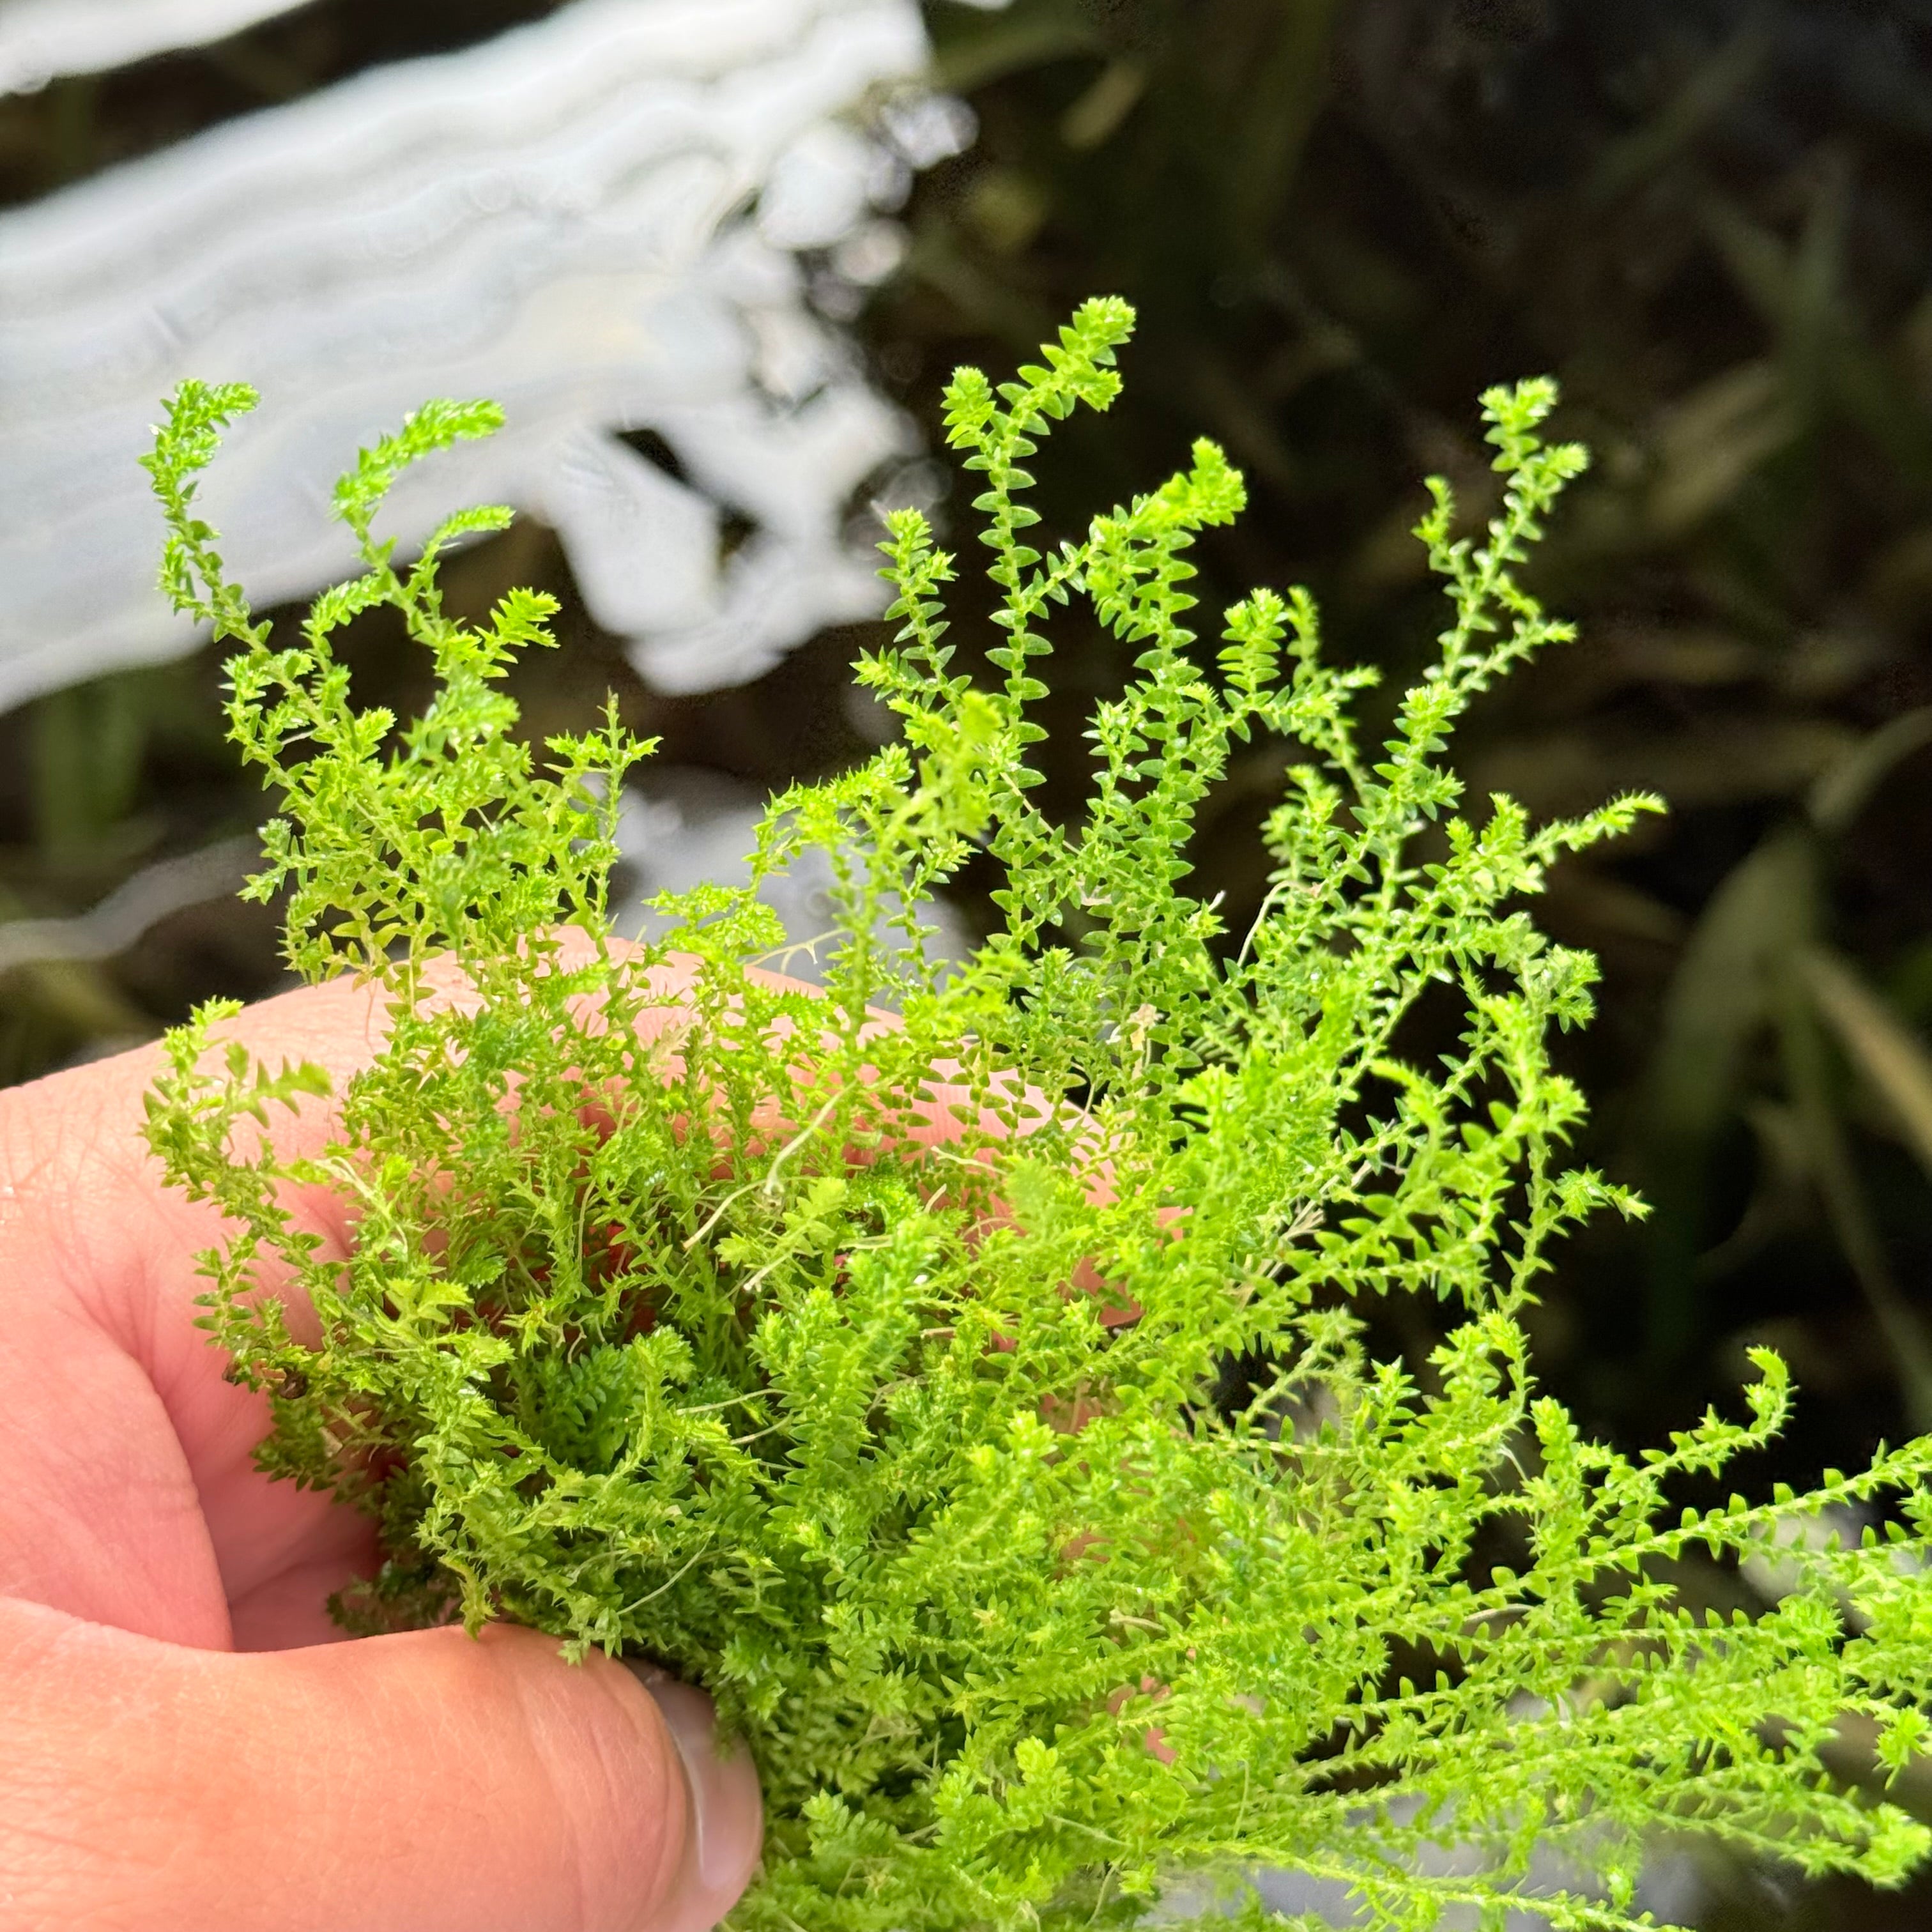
(41, 39)
(592, 219)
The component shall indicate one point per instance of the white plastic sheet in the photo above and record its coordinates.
(41, 40)
(595, 219)
(698, 827)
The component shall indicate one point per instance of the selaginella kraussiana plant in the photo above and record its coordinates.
(875, 1372)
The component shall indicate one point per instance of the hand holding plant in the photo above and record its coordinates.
(185, 1740)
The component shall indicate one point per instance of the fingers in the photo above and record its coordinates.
(421, 1783)
(721, 1848)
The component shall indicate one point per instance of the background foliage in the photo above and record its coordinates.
(1339, 219)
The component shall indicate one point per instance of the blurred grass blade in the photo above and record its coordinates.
(1840, 793)
(1284, 93)
(1835, 1174)
(1713, 87)
(975, 53)
(1722, 999)
(1710, 441)
(1092, 119)
(1879, 1044)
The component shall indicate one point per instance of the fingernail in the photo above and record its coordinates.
(726, 1817)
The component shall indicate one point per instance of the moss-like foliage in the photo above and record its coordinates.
(956, 1372)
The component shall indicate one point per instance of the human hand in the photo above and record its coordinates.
(185, 1739)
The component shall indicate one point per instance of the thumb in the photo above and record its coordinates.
(426, 1782)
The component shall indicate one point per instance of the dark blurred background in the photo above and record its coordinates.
(1340, 219)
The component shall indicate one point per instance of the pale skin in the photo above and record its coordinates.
(185, 1739)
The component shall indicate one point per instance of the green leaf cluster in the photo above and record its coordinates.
(961, 1371)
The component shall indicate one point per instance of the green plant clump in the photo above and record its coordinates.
(958, 1372)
